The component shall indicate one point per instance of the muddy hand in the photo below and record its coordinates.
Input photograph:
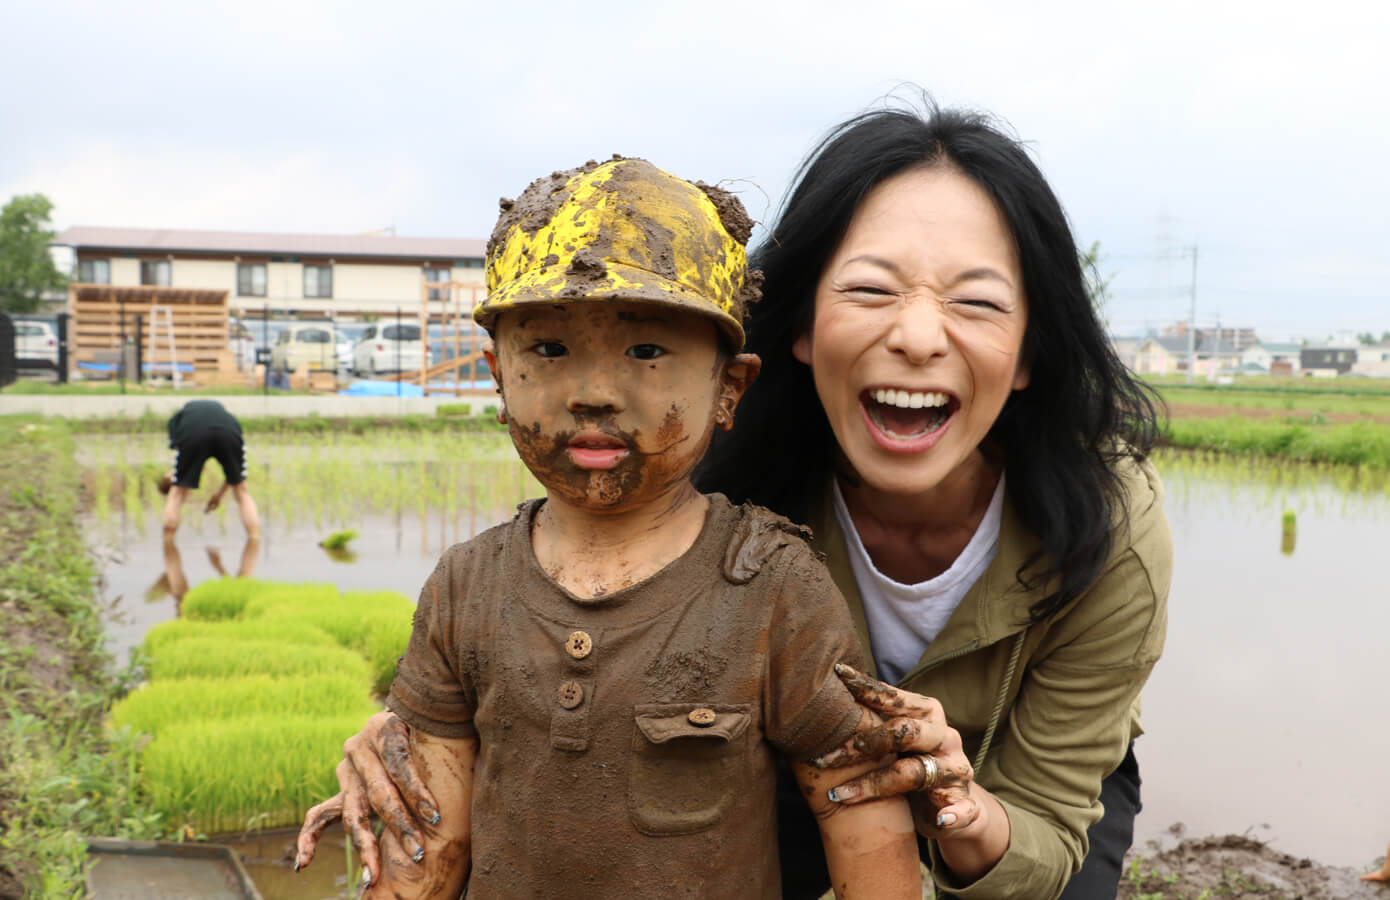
(932, 759)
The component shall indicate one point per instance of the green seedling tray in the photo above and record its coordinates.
(155, 870)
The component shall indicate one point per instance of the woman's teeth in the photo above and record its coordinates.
(909, 399)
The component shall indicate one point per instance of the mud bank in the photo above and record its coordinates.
(1238, 867)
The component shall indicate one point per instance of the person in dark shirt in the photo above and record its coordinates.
(203, 429)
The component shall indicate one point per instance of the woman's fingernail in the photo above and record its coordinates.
(429, 813)
(842, 793)
(945, 819)
(842, 669)
(829, 759)
(297, 864)
(366, 876)
(418, 855)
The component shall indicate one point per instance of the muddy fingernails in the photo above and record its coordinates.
(366, 876)
(829, 759)
(842, 793)
(945, 820)
(418, 855)
(297, 864)
(429, 813)
(842, 669)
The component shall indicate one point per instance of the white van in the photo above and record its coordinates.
(384, 348)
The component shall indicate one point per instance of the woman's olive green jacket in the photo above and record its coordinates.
(1045, 710)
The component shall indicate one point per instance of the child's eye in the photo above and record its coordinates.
(645, 351)
(550, 349)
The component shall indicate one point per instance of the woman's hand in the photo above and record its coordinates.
(931, 759)
(376, 775)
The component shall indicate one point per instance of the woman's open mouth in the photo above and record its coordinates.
(908, 416)
(596, 451)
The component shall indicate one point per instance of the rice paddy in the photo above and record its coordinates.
(329, 482)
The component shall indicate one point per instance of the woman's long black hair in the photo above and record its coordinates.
(1061, 436)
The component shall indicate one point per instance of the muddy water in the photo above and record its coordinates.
(1269, 713)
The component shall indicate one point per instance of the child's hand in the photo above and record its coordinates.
(376, 775)
(931, 758)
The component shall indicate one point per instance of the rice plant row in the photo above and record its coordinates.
(252, 693)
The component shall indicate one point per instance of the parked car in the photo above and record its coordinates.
(348, 336)
(35, 344)
(304, 347)
(241, 343)
(388, 348)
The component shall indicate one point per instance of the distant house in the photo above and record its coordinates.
(1328, 360)
(1272, 358)
(319, 274)
(1373, 360)
(1168, 355)
(1127, 349)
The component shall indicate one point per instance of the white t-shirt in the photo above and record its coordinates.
(904, 618)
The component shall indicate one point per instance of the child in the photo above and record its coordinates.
(596, 689)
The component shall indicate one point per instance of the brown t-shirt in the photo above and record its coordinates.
(626, 742)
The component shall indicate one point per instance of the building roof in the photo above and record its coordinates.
(1178, 347)
(168, 240)
(1273, 347)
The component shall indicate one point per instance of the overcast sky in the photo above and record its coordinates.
(1257, 132)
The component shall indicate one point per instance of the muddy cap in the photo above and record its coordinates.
(623, 230)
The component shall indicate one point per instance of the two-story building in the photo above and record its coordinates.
(1327, 360)
(1271, 358)
(345, 276)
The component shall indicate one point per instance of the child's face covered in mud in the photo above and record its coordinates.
(611, 404)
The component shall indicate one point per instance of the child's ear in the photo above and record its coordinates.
(739, 375)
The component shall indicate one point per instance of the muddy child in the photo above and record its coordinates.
(596, 690)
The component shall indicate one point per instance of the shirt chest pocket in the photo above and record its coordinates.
(689, 762)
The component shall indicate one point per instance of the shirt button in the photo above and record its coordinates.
(579, 644)
(570, 695)
(702, 717)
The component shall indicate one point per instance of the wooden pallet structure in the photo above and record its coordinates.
(101, 313)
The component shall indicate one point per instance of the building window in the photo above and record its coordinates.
(250, 279)
(318, 281)
(438, 275)
(94, 271)
(154, 271)
(475, 263)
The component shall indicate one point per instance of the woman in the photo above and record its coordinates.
(939, 401)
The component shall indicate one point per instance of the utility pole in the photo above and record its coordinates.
(1192, 319)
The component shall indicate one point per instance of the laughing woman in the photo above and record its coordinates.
(940, 403)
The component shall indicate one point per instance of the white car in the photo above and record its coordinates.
(35, 344)
(304, 346)
(386, 348)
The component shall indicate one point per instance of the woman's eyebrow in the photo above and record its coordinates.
(984, 272)
(879, 261)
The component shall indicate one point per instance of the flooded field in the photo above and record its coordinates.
(1268, 714)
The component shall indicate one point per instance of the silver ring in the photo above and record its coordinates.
(930, 772)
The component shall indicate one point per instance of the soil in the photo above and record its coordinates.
(1238, 867)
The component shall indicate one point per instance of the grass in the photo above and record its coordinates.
(61, 775)
(1345, 386)
(1359, 404)
(1361, 444)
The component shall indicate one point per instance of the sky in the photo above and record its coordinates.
(1256, 133)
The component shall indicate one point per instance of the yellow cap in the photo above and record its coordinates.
(623, 230)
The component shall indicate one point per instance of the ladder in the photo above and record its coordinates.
(162, 317)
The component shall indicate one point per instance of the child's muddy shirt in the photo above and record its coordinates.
(627, 742)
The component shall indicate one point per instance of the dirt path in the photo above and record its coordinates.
(1239, 867)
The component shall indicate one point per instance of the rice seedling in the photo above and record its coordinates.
(217, 775)
(155, 706)
(217, 658)
(375, 624)
(338, 540)
(223, 598)
(305, 633)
